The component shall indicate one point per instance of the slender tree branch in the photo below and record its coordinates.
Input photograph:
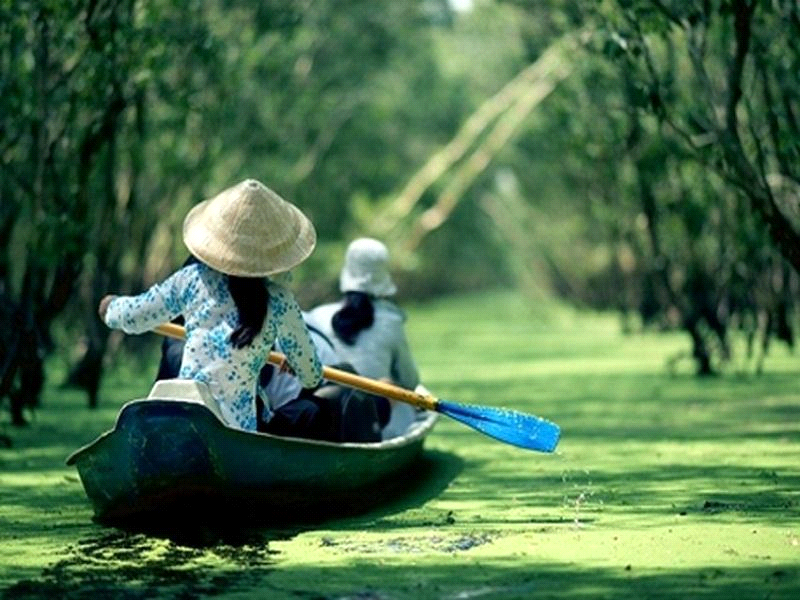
(743, 16)
(547, 66)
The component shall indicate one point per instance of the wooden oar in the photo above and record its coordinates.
(509, 426)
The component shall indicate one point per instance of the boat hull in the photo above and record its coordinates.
(166, 456)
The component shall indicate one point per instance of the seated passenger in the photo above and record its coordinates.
(284, 407)
(368, 330)
(330, 412)
(233, 306)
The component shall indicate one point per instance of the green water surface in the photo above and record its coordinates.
(663, 486)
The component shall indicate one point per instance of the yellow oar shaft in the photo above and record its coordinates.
(372, 386)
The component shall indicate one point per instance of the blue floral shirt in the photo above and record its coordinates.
(201, 295)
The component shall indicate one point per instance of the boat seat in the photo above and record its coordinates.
(186, 390)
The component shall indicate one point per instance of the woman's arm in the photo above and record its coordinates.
(294, 338)
(138, 314)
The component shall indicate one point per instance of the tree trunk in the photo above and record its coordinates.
(88, 373)
(22, 370)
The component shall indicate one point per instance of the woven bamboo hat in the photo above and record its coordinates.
(366, 269)
(249, 231)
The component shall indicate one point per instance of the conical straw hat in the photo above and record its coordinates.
(249, 231)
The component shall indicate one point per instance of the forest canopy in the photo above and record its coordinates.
(629, 155)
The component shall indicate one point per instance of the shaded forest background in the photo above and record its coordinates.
(639, 156)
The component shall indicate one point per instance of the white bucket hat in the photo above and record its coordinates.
(249, 231)
(366, 269)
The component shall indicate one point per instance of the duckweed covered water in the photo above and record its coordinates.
(663, 486)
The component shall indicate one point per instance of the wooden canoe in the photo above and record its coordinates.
(171, 452)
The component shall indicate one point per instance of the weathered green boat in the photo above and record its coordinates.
(171, 453)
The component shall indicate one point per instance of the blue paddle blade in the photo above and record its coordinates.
(510, 426)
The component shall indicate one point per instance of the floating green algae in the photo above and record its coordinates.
(663, 486)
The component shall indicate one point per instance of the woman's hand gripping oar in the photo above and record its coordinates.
(509, 426)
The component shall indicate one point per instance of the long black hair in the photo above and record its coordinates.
(357, 313)
(251, 297)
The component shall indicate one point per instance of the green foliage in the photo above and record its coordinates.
(672, 141)
(66, 89)
(117, 117)
(707, 74)
(660, 178)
